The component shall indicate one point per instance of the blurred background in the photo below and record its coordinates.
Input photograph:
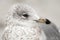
(45, 8)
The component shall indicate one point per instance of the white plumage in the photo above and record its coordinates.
(21, 24)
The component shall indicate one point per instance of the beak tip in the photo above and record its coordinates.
(41, 20)
(48, 21)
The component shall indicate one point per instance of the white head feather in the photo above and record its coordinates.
(18, 11)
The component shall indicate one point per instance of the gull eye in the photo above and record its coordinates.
(25, 15)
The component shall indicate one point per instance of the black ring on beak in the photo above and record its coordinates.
(48, 21)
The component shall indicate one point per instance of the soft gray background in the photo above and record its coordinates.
(45, 8)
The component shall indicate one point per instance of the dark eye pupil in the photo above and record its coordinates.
(25, 15)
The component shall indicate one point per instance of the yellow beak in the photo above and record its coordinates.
(41, 20)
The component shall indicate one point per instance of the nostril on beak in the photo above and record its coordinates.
(48, 21)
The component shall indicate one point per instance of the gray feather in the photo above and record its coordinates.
(50, 31)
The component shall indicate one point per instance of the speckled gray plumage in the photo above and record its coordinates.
(19, 27)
